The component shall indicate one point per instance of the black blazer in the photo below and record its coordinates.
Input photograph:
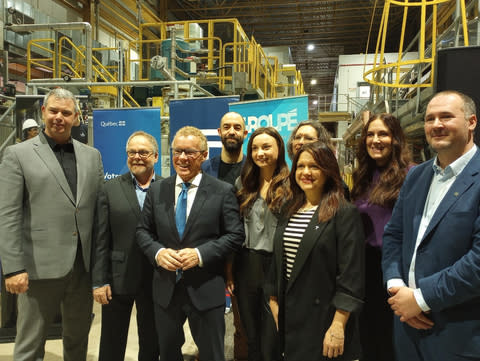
(117, 259)
(213, 226)
(328, 274)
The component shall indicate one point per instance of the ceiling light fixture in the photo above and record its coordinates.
(313, 81)
(310, 47)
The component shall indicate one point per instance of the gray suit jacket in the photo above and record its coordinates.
(40, 221)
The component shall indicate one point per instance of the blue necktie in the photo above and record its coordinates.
(181, 211)
(181, 219)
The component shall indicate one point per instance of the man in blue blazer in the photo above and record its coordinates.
(190, 222)
(431, 246)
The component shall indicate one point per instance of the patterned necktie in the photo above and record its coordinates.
(181, 211)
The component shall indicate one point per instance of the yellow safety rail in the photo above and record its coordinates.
(220, 53)
(43, 63)
(41, 57)
(378, 74)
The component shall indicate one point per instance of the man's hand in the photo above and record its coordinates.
(189, 258)
(392, 291)
(169, 259)
(403, 303)
(17, 284)
(102, 295)
(420, 322)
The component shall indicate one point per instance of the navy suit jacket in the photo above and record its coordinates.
(213, 226)
(212, 165)
(447, 268)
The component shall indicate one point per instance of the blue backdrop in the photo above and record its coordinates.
(283, 114)
(111, 129)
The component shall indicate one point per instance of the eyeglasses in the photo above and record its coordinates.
(143, 154)
(189, 153)
(306, 138)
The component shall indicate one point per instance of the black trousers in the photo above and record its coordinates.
(115, 323)
(376, 327)
(250, 269)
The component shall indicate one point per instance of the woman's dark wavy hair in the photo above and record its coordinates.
(250, 176)
(332, 194)
(385, 192)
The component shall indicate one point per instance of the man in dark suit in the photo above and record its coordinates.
(121, 273)
(228, 165)
(431, 246)
(190, 223)
(48, 192)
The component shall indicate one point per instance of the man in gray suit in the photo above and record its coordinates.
(121, 273)
(48, 192)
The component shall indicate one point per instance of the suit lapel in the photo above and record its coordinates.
(200, 198)
(168, 193)
(419, 198)
(82, 167)
(310, 237)
(463, 182)
(128, 189)
(42, 148)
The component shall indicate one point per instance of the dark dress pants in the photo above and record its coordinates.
(207, 327)
(250, 269)
(115, 324)
(377, 317)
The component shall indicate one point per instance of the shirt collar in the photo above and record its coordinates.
(456, 167)
(195, 181)
(135, 183)
(52, 143)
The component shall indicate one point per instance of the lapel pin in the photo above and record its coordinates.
(317, 227)
(455, 194)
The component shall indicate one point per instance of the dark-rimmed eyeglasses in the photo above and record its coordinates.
(143, 154)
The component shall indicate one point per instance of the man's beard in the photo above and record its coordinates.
(232, 147)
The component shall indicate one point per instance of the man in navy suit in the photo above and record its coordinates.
(189, 256)
(431, 246)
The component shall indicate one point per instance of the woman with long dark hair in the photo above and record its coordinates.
(315, 283)
(383, 163)
(263, 188)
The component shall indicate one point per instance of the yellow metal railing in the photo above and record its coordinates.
(425, 62)
(43, 63)
(60, 64)
(221, 49)
(236, 53)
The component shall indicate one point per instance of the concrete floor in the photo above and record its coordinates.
(53, 348)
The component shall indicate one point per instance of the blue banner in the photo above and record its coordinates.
(283, 114)
(203, 113)
(111, 129)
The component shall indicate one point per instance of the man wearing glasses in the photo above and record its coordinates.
(190, 223)
(121, 273)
